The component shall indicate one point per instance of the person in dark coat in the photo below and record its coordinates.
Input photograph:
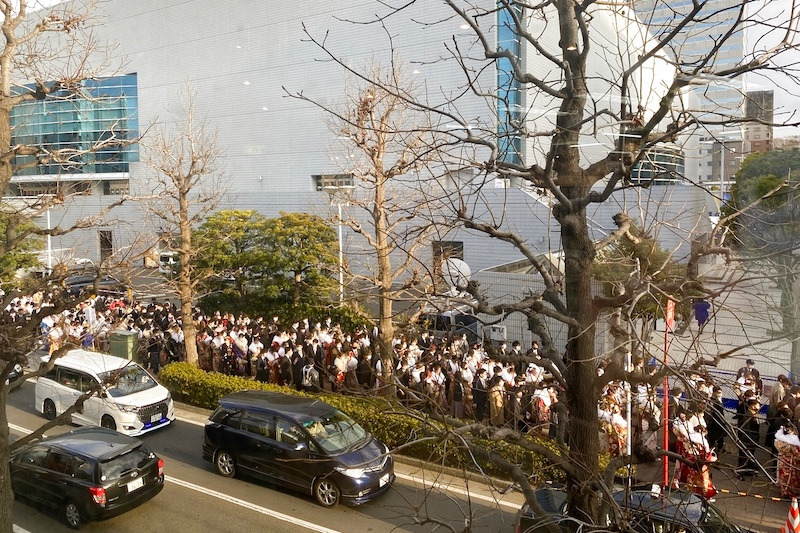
(749, 427)
(717, 425)
(480, 391)
(298, 362)
(558, 418)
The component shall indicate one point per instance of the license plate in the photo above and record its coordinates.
(384, 479)
(155, 419)
(135, 484)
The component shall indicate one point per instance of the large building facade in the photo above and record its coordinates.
(278, 152)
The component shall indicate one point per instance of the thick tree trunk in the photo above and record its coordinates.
(581, 368)
(185, 288)
(189, 330)
(385, 339)
(383, 251)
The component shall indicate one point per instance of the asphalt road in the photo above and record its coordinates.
(196, 499)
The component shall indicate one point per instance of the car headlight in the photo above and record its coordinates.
(128, 408)
(351, 472)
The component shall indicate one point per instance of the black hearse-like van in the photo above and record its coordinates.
(301, 443)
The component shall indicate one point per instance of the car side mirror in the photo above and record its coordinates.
(300, 446)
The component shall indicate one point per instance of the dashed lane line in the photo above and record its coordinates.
(190, 420)
(251, 506)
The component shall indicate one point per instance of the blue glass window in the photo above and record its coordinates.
(509, 90)
(99, 111)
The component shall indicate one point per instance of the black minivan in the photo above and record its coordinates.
(301, 443)
(88, 474)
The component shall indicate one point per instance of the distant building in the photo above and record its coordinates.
(714, 160)
(760, 107)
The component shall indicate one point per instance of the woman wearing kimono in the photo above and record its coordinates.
(693, 446)
(788, 445)
(497, 401)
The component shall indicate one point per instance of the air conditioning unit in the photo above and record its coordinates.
(497, 333)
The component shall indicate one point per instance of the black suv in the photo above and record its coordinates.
(88, 474)
(650, 512)
(299, 442)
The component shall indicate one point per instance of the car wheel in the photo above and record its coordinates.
(326, 492)
(108, 422)
(72, 515)
(49, 409)
(225, 463)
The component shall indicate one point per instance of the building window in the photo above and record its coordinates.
(106, 244)
(97, 123)
(50, 188)
(443, 250)
(321, 182)
(660, 165)
(115, 187)
(509, 89)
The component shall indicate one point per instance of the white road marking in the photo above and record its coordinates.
(457, 490)
(16, 529)
(18, 428)
(221, 496)
(190, 421)
(291, 519)
(251, 506)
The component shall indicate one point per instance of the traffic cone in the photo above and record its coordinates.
(793, 520)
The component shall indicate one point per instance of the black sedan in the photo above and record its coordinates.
(88, 474)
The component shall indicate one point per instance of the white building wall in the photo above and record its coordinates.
(242, 60)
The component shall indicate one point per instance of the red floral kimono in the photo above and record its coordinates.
(788, 446)
(693, 446)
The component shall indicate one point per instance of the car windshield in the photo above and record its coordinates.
(715, 522)
(122, 464)
(127, 380)
(335, 432)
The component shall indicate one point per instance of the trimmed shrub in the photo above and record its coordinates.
(391, 424)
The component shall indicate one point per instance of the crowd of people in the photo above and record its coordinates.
(497, 385)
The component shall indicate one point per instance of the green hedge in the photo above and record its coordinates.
(391, 424)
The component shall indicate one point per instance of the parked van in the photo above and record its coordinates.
(168, 262)
(299, 442)
(130, 400)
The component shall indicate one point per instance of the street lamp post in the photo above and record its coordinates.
(49, 245)
(332, 191)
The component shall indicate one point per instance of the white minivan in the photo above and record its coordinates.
(130, 400)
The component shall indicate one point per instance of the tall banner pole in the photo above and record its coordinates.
(669, 321)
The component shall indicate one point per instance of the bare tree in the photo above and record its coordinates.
(386, 146)
(601, 97)
(44, 54)
(188, 186)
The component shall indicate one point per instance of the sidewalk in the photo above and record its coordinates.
(750, 503)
